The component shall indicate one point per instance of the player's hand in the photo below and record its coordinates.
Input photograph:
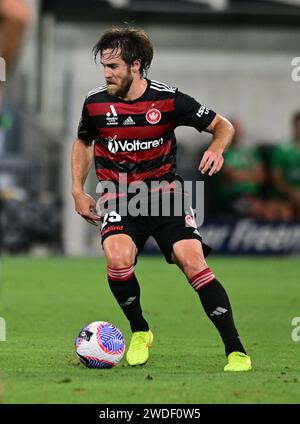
(212, 160)
(85, 206)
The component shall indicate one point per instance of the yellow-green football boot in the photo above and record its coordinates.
(138, 352)
(238, 361)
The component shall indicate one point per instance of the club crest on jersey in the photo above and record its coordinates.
(153, 116)
(190, 221)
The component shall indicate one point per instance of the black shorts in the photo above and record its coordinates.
(166, 230)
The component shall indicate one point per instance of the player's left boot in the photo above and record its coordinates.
(138, 352)
(238, 361)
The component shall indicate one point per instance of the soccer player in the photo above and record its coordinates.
(131, 121)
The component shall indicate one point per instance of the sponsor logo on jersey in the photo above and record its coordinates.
(190, 221)
(129, 121)
(202, 110)
(115, 145)
(112, 116)
(153, 116)
(112, 228)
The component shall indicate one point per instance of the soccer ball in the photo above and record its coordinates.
(100, 345)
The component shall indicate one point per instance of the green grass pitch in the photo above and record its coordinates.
(46, 302)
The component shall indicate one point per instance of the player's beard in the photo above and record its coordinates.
(122, 89)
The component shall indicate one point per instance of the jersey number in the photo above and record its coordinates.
(111, 217)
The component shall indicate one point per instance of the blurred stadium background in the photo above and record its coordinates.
(233, 56)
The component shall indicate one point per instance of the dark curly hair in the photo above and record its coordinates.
(134, 44)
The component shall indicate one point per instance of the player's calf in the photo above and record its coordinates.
(189, 256)
(126, 290)
(216, 304)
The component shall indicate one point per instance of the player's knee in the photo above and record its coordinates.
(188, 255)
(117, 259)
(119, 251)
(192, 265)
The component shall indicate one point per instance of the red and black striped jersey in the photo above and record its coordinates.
(137, 137)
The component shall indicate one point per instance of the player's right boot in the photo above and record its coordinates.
(238, 361)
(138, 352)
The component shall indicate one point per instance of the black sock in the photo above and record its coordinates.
(126, 290)
(216, 304)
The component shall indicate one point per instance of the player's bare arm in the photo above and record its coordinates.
(223, 132)
(81, 160)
